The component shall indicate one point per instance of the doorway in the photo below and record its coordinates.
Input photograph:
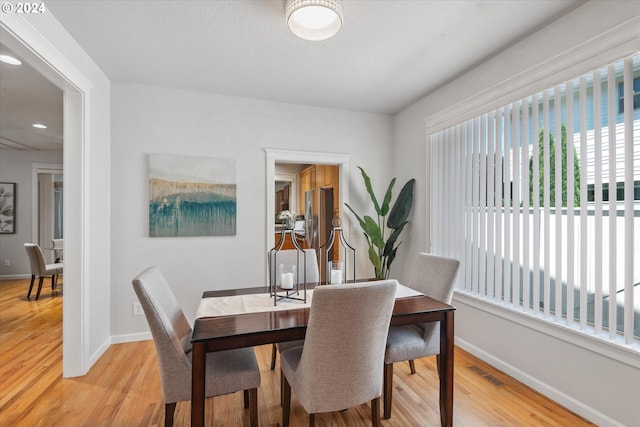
(33, 47)
(296, 159)
(47, 219)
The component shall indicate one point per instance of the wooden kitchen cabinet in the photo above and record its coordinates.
(321, 176)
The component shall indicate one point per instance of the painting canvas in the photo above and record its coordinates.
(191, 196)
(7, 207)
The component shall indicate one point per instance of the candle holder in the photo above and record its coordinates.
(337, 270)
(287, 271)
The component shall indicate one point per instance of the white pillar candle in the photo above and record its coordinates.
(336, 277)
(286, 281)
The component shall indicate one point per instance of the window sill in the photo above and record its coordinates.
(585, 338)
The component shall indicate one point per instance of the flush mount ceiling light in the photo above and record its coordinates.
(10, 60)
(314, 19)
(39, 126)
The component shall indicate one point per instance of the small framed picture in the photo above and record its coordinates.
(7, 207)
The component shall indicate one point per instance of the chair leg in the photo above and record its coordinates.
(33, 278)
(274, 353)
(281, 388)
(286, 397)
(412, 366)
(245, 395)
(253, 407)
(169, 409)
(40, 280)
(375, 412)
(312, 420)
(387, 389)
(53, 281)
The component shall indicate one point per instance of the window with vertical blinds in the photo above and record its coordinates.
(540, 200)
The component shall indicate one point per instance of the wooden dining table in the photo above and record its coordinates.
(250, 329)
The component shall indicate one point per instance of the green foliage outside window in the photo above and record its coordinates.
(552, 171)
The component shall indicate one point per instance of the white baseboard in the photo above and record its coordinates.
(552, 393)
(99, 352)
(139, 336)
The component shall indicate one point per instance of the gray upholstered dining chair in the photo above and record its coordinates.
(433, 276)
(227, 371)
(340, 364)
(58, 246)
(40, 268)
(288, 257)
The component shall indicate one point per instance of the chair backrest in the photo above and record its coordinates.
(290, 257)
(57, 245)
(342, 359)
(433, 276)
(36, 259)
(171, 333)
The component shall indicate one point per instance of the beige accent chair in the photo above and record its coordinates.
(288, 257)
(57, 245)
(40, 268)
(340, 364)
(433, 276)
(227, 371)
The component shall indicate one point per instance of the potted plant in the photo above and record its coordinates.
(382, 234)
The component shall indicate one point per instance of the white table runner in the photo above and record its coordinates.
(253, 303)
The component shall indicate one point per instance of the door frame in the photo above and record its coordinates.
(306, 157)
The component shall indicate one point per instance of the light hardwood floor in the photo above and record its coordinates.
(123, 387)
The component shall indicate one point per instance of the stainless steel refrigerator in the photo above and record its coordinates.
(318, 218)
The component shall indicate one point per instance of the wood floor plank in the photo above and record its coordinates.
(123, 387)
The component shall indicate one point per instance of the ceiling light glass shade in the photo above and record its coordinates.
(314, 19)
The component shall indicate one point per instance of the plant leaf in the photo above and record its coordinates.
(367, 184)
(391, 241)
(384, 210)
(372, 229)
(402, 206)
(375, 260)
(357, 216)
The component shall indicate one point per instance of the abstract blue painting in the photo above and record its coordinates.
(191, 196)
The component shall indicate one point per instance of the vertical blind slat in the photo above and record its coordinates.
(525, 204)
(584, 243)
(547, 201)
(482, 206)
(613, 217)
(570, 206)
(597, 300)
(628, 201)
(506, 209)
(476, 187)
(515, 148)
(469, 150)
(558, 202)
(536, 205)
(498, 203)
(491, 212)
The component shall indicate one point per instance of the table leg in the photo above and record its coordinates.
(445, 370)
(198, 367)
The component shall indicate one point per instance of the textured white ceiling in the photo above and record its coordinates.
(388, 54)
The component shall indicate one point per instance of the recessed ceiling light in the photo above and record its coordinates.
(10, 60)
(39, 126)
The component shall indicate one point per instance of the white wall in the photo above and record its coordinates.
(150, 119)
(15, 166)
(599, 388)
